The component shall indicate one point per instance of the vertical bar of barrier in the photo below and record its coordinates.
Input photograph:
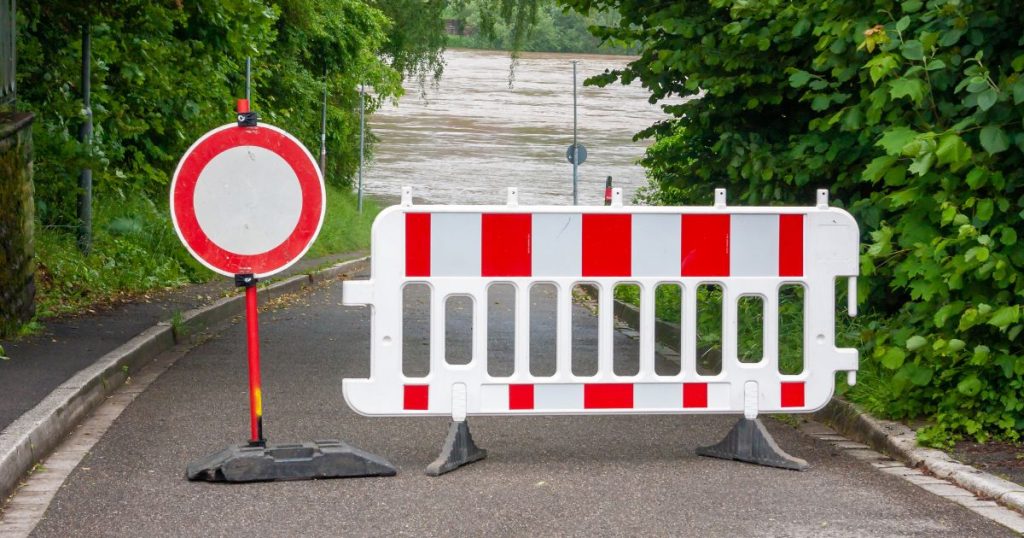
(647, 321)
(771, 331)
(606, 328)
(522, 331)
(688, 353)
(563, 331)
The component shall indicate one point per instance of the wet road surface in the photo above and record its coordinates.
(609, 475)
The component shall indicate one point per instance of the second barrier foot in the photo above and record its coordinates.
(749, 441)
(459, 449)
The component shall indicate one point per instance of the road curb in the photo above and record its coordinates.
(892, 438)
(900, 441)
(35, 434)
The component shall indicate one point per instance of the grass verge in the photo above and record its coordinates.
(135, 250)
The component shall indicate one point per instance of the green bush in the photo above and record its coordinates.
(910, 112)
(163, 73)
(135, 250)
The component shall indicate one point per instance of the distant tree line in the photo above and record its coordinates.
(543, 26)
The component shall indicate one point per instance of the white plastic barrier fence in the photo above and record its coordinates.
(462, 250)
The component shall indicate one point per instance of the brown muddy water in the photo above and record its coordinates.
(472, 136)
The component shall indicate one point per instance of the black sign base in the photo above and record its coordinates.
(306, 461)
(749, 441)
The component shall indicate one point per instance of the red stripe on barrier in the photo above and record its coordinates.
(607, 245)
(520, 396)
(417, 244)
(793, 394)
(415, 397)
(608, 396)
(791, 245)
(695, 394)
(505, 244)
(705, 245)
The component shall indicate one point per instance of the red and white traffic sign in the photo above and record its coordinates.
(247, 200)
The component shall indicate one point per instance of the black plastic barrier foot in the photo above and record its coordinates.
(749, 441)
(459, 449)
(306, 461)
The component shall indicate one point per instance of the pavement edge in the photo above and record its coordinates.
(39, 431)
(892, 438)
(900, 441)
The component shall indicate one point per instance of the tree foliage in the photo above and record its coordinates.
(165, 72)
(417, 37)
(911, 114)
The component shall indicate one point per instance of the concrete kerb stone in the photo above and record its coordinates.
(900, 441)
(35, 434)
(888, 437)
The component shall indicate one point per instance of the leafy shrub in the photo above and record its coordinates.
(910, 112)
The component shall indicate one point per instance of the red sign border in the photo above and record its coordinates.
(182, 194)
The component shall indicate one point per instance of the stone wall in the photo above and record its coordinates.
(17, 221)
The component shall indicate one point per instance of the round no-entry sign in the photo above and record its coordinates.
(247, 200)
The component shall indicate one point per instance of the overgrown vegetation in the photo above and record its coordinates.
(163, 73)
(750, 345)
(344, 229)
(136, 250)
(910, 112)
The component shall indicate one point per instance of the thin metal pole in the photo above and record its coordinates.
(362, 128)
(85, 136)
(323, 129)
(248, 79)
(575, 146)
(14, 55)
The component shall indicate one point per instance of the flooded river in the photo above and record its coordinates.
(472, 136)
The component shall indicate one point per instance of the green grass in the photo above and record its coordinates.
(135, 250)
(750, 345)
(344, 229)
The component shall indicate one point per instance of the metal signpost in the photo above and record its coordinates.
(248, 200)
(576, 153)
(85, 137)
(362, 143)
(323, 129)
(574, 148)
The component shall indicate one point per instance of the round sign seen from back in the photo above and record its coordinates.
(247, 200)
(570, 153)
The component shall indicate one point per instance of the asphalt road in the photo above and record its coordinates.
(40, 363)
(613, 475)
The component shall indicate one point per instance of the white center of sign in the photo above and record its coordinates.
(248, 200)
